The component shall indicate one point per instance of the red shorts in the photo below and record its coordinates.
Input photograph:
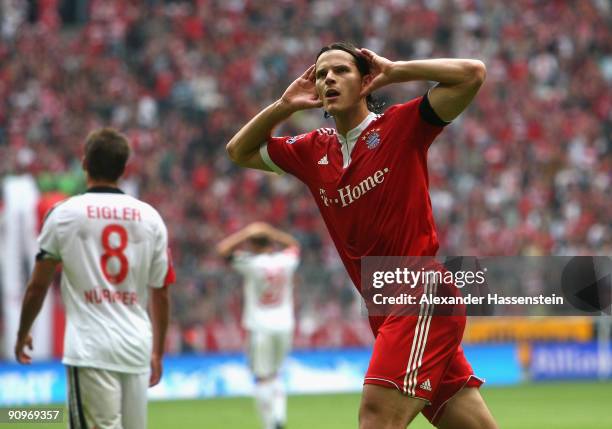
(422, 357)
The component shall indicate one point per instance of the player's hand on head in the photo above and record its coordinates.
(380, 71)
(302, 93)
(20, 345)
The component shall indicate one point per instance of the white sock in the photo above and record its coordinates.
(280, 401)
(264, 399)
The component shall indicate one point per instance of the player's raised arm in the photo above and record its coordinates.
(279, 236)
(459, 80)
(243, 148)
(226, 247)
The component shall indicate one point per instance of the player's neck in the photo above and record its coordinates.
(91, 183)
(349, 119)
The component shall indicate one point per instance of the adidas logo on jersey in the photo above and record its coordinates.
(323, 161)
(426, 385)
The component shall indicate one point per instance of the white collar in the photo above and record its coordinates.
(347, 144)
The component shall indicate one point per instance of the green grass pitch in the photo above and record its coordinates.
(528, 406)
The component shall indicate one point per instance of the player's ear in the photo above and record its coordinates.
(366, 82)
(84, 166)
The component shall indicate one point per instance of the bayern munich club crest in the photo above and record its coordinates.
(372, 138)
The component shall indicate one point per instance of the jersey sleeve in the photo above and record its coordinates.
(289, 154)
(241, 262)
(48, 239)
(422, 123)
(162, 269)
(292, 254)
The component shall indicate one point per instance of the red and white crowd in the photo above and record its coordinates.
(527, 170)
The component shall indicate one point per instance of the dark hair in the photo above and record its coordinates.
(363, 65)
(106, 153)
(260, 241)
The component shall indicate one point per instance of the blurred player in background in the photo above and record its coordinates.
(268, 309)
(369, 178)
(114, 253)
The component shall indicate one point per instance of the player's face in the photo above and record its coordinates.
(338, 81)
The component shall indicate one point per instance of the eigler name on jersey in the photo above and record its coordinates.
(114, 213)
(349, 194)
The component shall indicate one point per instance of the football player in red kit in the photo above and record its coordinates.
(369, 179)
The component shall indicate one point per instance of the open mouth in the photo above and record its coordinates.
(331, 94)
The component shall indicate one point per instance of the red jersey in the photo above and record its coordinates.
(372, 186)
(372, 190)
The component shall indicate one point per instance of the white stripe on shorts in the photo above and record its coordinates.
(418, 344)
(414, 343)
(433, 286)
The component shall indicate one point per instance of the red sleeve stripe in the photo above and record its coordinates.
(170, 274)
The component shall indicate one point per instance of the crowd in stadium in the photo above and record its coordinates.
(527, 170)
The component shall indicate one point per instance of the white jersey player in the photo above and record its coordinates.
(114, 253)
(268, 310)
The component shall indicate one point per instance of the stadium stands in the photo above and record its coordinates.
(526, 170)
